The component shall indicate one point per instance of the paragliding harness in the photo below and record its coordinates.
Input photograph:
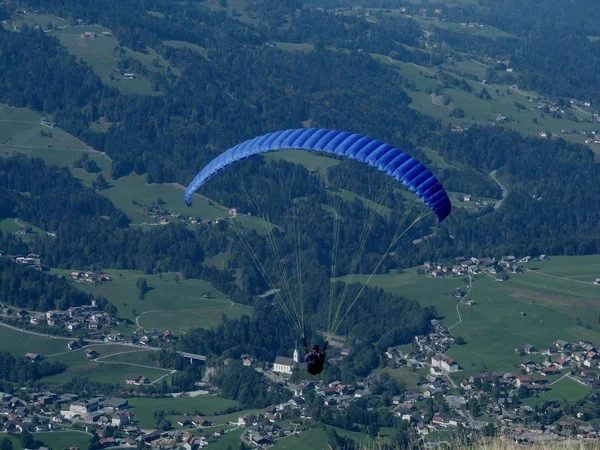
(315, 360)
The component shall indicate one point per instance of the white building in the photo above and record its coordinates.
(445, 363)
(283, 364)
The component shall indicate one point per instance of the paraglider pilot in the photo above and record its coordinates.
(315, 359)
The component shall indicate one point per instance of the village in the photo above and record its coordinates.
(442, 400)
(499, 269)
(459, 401)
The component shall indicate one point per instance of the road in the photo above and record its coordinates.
(458, 310)
(559, 278)
(502, 187)
(97, 341)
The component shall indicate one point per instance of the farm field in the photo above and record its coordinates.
(563, 389)
(12, 225)
(106, 373)
(172, 303)
(56, 440)
(19, 343)
(554, 308)
(427, 291)
(558, 300)
(207, 405)
(60, 440)
(309, 160)
(98, 53)
(188, 45)
(119, 352)
(230, 440)
(20, 133)
(506, 101)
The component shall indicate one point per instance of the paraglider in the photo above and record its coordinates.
(384, 157)
(315, 359)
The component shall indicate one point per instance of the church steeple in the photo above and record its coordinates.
(296, 356)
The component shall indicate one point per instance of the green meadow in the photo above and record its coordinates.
(172, 303)
(206, 405)
(564, 389)
(559, 301)
(56, 440)
(427, 291)
(19, 343)
(98, 52)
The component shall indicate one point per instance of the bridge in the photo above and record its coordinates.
(192, 356)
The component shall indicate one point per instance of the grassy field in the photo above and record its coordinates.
(552, 298)
(188, 45)
(172, 303)
(109, 369)
(503, 102)
(406, 376)
(486, 31)
(64, 439)
(98, 53)
(11, 225)
(229, 440)
(309, 160)
(565, 389)
(19, 343)
(292, 47)
(495, 327)
(144, 408)
(427, 291)
(106, 372)
(56, 440)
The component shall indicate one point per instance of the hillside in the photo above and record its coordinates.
(111, 286)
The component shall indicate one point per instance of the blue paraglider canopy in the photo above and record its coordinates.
(384, 157)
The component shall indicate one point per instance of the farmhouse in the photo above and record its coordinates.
(138, 380)
(32, 357)
(115, 404)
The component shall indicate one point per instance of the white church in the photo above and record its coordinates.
(286, 365)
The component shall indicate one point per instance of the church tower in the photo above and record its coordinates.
(296, 356)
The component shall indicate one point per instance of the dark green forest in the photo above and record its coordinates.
(245, 87)
(22, 287)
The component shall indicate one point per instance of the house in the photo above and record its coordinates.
(260, 440)
(138, 380)
(120, 419)
(92, 354)
(108, 442)
(563, 345)
(167, 335)
(74, 325)
(529, 349)
(527, 365)
(550, 370)
(561, 363)
(73, 345)
(115, 403)
(283, 364)
(445, 363)
(182, 421)
(243, 420)
(33, 357)
(83, 407)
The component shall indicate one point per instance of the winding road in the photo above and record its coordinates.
(99, 342)
(492, 175)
